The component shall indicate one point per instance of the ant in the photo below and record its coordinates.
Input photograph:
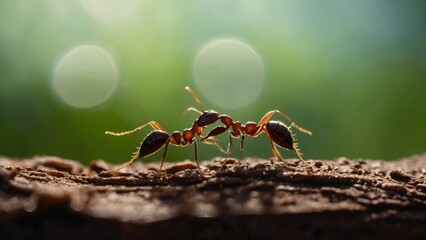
(158, 138)
(278, 134)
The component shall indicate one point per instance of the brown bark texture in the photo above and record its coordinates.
(53, 198)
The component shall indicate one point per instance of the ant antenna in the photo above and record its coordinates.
(195, 97)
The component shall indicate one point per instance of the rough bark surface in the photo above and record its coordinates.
(49, 197)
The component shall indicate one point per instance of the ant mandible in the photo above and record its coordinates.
(277, 132)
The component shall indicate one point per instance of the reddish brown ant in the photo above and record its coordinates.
(278, 134)
(158, 138)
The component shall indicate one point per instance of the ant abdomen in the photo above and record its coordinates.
(153, 142)
(280, 134)
(207, 118)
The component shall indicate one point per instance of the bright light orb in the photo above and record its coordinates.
(229, 73)
(85, 76)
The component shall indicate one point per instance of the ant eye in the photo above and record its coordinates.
(207, 118)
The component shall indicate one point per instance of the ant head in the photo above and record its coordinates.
(207, 118)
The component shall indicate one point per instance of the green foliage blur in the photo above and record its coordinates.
(353, 72)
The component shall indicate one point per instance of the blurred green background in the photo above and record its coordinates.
(353, 72)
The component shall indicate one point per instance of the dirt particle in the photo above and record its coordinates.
(396, 187)
(400, 176)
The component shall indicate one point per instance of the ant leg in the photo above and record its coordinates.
(132, 159)
(213, 142)
(293, 123)
(269, 114)
(230, 145)
(153, 124)
(164, 154)
(228, 151)
(196, 156)
(299, 153)
(242, 146)
(192, 109)
(275, 151)
(214, 132)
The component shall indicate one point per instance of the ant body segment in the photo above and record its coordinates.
(277, 133)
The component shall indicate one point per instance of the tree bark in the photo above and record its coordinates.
(54, 198)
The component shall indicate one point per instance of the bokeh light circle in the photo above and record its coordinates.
(110, 11)
(229, 73)
(85, 77)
